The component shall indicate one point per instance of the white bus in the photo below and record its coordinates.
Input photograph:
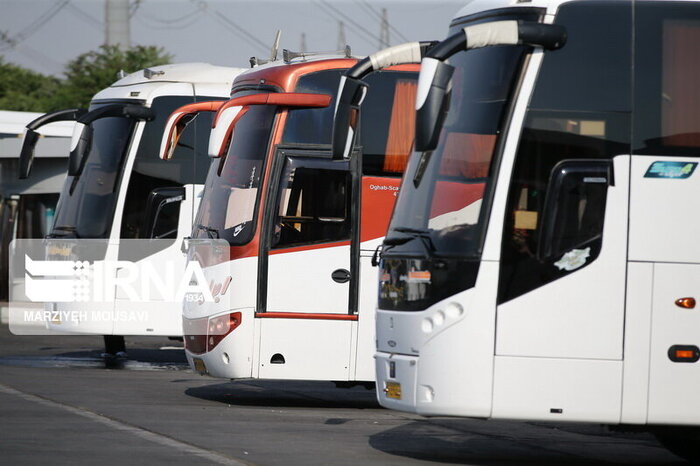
(118, 188)
(541, 262)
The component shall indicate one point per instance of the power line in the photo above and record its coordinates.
(368, 7)
(335, 18)
(230, 24)
(166, 26)
(86, 17)
(348, 19)
(173, 22)
(133, 8)
(12, 41)
(38, 57)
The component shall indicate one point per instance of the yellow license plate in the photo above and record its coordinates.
(393, 390)
(199, 366)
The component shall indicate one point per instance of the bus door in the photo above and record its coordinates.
(560, 319)
(307, 319)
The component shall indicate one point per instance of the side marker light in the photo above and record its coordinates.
(686, 303)
(684, 353)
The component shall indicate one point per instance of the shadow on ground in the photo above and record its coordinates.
(285, 393)
(138, 359)
(487, 443)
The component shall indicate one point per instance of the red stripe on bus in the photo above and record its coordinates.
(309, 247)
(304, 315)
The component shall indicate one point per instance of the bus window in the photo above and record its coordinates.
(313, 206)
(667, 72)
(386, 125)
(231, 193)
(580, 109)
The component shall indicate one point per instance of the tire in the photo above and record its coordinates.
(683, 441)
(114, 344)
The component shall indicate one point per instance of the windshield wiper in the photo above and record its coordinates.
(67, 230)
(213, 233)
(420, 233)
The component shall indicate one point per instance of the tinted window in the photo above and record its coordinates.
(667, 95)
(443, 189)
(313, 205)
(87, 202)
(386, 124)
(188, 165)
(433, 246)
(313, 125)
(580, 110)
(231, 192)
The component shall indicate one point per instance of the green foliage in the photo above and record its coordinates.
(25, 90)
(93, 71)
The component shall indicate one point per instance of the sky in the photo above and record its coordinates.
(44, 35)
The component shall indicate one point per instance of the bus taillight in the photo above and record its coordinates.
(221, 326)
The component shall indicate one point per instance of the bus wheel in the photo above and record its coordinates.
(114, 346)
(683, 441)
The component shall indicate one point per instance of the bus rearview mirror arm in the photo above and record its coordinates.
(353, 89)
(434, 82)
(31, 136)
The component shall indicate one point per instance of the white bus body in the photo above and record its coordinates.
(541, 262)
(107, 199)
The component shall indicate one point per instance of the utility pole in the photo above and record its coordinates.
(117, 30)
(384, 30)
(341, 36)
(303, 42)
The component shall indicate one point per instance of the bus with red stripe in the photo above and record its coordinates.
(294, 289)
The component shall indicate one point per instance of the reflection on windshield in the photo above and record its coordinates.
(231, 191)
(87, 202)
(441, 196)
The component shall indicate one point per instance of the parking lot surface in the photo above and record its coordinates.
(60, 404)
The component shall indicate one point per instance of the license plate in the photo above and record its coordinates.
(199, 365)
(393, 390)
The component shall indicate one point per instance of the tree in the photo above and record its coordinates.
(25, 90)
(93, 71)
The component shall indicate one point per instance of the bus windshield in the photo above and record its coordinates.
(231, 192)
(441, 197)
(86, 205)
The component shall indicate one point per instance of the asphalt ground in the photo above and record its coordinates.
(60, 404)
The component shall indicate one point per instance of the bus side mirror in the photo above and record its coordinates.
(574, 207)
(351, 93)
(155, 224)
(432, 102)
(222, 131)
(174, 127)
(26, 156)
(79, 148)
(178, 121)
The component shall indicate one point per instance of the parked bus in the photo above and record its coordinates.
(541, 262)
(27, 206)
(295, 297)
(118, 188)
